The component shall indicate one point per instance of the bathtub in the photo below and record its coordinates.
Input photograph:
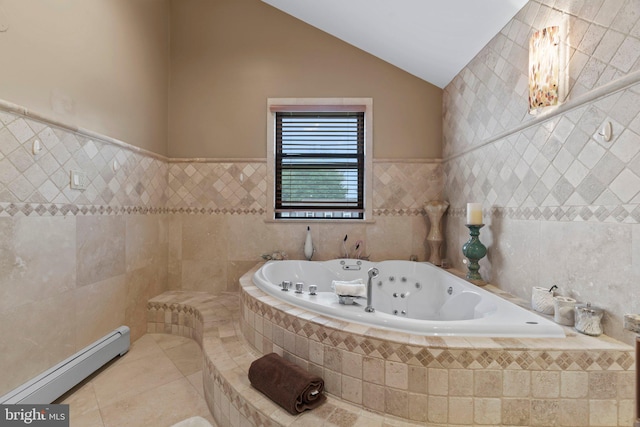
(411, 297)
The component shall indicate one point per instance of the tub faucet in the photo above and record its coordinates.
(373, 273)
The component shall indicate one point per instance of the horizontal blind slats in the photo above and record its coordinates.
(319, 162)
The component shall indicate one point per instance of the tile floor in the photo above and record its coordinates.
(157, 383)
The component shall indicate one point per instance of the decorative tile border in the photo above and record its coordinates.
(52, 209)
(217, 211)
(618, 214)
(399, 212)
(628, 214)
(40, 209)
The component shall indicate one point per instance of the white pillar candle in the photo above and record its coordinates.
(474, 213)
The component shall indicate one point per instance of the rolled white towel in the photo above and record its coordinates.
(352, 288)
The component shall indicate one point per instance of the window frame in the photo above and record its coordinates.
(275, 105)
(294, 129)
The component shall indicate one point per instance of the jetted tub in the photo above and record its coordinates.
(412, 297)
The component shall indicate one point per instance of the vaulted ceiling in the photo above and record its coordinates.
(431, 39)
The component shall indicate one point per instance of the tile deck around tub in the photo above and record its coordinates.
(399, 378)
(213, 322)
(578, 380)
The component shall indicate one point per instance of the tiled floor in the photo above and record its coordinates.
(157, 383)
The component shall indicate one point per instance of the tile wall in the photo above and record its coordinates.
(91, 259)
(562, 206)
(218, 228)
(74, 265)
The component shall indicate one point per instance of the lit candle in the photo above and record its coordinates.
(474, 213)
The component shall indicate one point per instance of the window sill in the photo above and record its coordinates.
(319, 220)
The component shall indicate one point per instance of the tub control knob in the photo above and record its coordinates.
(313, 289)
(404, 312)
(299, 286)
(286, 284)
(395, 295)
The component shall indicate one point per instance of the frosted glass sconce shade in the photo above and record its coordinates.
(544, 73)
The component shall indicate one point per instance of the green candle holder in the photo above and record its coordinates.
(474, 250)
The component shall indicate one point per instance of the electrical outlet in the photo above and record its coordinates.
(79, 180)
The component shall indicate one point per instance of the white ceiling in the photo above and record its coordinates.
(431, 39)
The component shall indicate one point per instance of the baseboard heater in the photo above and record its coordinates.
(54, 382)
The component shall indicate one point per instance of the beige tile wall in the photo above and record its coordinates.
(73, 264)
(47, 313)
(218, 228)
(91, 259)
(562, 206)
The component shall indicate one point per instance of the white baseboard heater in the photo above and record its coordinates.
(56, 381)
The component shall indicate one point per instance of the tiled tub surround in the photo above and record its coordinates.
(562, 206)
(575, 381)
(213, 322)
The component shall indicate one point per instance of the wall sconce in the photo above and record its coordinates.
(544, 69)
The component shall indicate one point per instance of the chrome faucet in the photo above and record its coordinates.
(373, 273)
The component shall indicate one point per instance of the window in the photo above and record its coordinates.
(319, 164)
(319, 159)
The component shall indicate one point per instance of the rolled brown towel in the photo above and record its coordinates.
(287, 384)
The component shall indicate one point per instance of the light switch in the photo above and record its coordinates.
(79, 180)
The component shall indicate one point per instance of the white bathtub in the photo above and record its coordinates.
(411, 297)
